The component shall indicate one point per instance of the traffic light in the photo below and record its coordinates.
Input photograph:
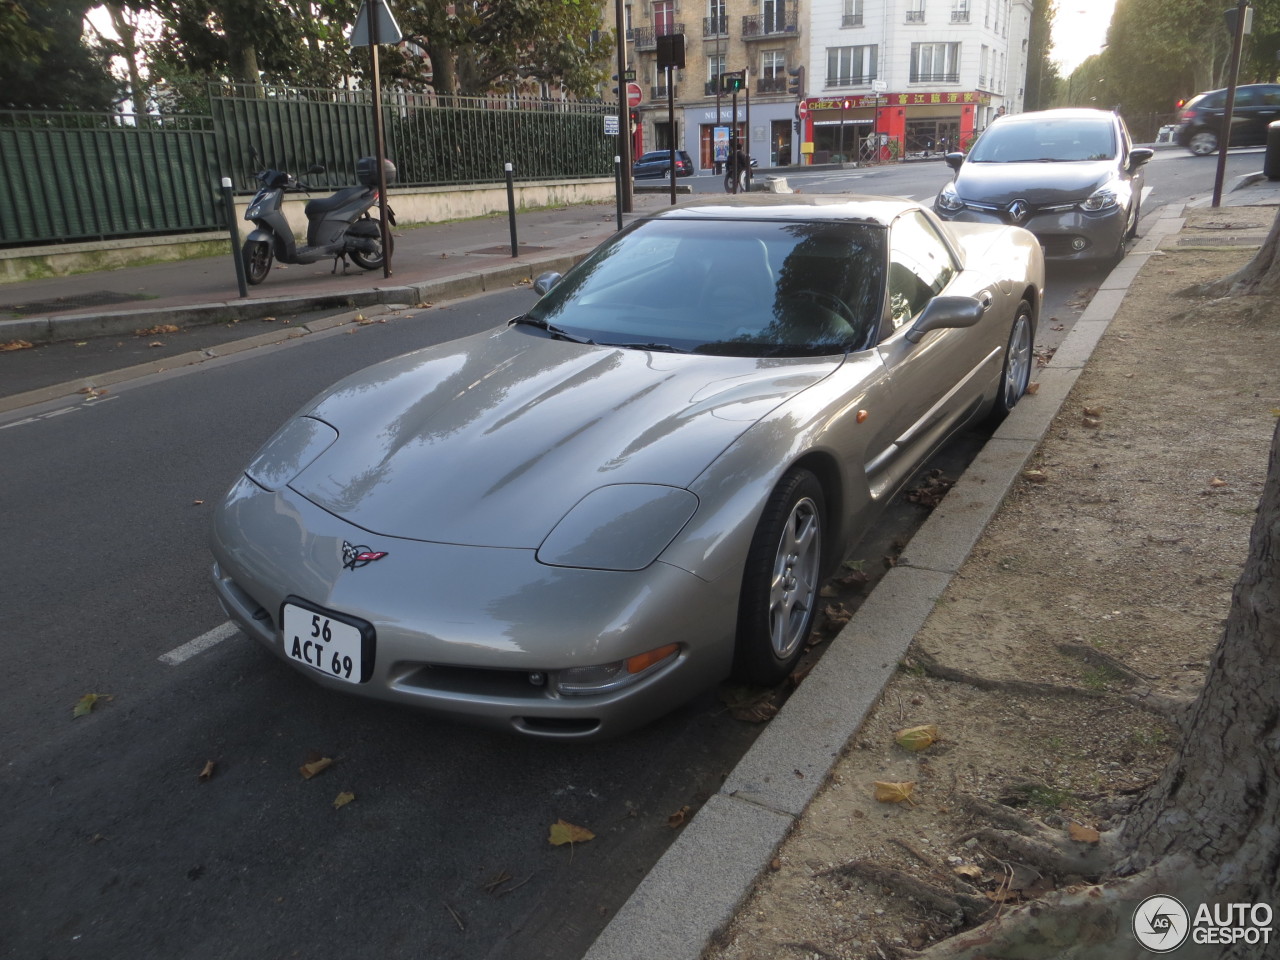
(635, 120)
(795, 86)
(732, 82)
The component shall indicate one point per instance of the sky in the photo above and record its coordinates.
(1079, 31)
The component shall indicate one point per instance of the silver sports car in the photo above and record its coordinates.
(572, 523)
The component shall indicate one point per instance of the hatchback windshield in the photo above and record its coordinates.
(1029, 141)
(731, 287)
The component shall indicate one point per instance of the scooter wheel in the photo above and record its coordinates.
(256, 255)
(373, 261)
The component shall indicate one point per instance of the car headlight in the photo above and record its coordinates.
(624, 526)
(605, 677)
(294, 447)
(1115, 193)
(948, 200)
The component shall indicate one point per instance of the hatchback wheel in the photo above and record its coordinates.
(1203, 143)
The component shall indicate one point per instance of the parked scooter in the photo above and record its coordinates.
(338, 226)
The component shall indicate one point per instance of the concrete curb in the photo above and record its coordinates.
(700, 883)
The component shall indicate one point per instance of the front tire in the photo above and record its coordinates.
(256, 256)
(781, 581)
(1203, 143)
(1018, 358)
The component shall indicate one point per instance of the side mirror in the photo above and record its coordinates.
(954, 160)
(545, 282)
(946, 312)
(1140, 155)
(316, 168)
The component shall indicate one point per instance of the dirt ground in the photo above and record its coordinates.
(1105, 578)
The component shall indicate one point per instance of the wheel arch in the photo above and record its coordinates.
(823, 465)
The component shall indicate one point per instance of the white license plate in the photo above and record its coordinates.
(333, 647)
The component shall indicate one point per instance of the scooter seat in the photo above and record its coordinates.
(316, 209)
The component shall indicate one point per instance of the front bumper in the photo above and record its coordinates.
(466, 631)
(1068, 235)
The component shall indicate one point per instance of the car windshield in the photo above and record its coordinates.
(1029, 141)
(759, 288)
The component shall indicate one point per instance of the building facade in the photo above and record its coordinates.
(877, 79)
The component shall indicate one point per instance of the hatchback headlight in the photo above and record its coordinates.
(1113, 194)
(948, 200)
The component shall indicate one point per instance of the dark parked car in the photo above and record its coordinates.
(1200, 123)
(1072, 177)
(657, 163)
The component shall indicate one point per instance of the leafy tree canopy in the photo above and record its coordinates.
(44, 60)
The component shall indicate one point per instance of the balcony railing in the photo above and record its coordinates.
(959, 16)
(934, 77)
(646, 38)
(758, 26)
(859, 81)
(660, 93)
(715, 27)
(915, 16)
(851, 20)
(771, 84)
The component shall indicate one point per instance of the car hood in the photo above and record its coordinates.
(490, 440)
(1038, 183)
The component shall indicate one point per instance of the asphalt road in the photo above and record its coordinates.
(113, 845)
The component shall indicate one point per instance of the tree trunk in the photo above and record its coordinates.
(1258, 276)
(1208, 832)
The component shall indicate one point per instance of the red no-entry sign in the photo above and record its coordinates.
(634, 94)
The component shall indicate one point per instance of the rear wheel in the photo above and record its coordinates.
(256, 256)
(1018, 357)
(1203, 143)
(781, 581)
(374, 261)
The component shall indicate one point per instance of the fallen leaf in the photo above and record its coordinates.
(83, 343)
(678, 818)
(750, 704)
(15, 345)
(206, 772)
(1033, 388)
(197, 503)
(895, 792)
(310, 769)
(1219, 482)
(917, 738)
(86, 703)
(155, 343)
(1083, 834)
(342, 799)
(563, 832)
(161, 328)
(1095, 411)
(1091, 422)
(1035, 476)
(970, 870)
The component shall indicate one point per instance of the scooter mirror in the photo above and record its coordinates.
(316, 168)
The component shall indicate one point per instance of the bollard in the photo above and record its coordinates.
(230, 202)
(617, 187)
(511, 211)
(1271, 162)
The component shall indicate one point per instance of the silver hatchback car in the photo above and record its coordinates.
(1072, 177)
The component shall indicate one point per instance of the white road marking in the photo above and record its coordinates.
(200, 643)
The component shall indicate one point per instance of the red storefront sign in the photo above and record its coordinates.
(899, 100)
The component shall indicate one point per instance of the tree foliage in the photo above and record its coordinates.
(1042, 73)
(44, 60)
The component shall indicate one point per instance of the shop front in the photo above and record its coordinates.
(870, 128)
(771, 132)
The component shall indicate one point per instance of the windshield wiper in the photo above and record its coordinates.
(551, 328)
(660, 347)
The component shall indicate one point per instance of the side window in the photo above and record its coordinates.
(920, 267)
(1271, 96)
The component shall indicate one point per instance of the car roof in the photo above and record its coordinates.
(772, 206)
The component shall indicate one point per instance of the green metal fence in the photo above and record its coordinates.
(76, 176)
(433, 140)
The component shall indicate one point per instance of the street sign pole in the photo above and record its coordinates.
(1233, 70)
(624, 108)
(375, 25)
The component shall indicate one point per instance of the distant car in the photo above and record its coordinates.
(569, 524)
(1072, 177)
(657, 163)
(1200, 122)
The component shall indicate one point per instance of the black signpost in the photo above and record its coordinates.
(375, 25)
(671, 58)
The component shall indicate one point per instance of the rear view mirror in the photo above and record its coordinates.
(954, 160)
(545, 282)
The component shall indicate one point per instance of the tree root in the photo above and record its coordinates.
(1095, 657)
(1168, 708)
(958, 908)
(1048, 850)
